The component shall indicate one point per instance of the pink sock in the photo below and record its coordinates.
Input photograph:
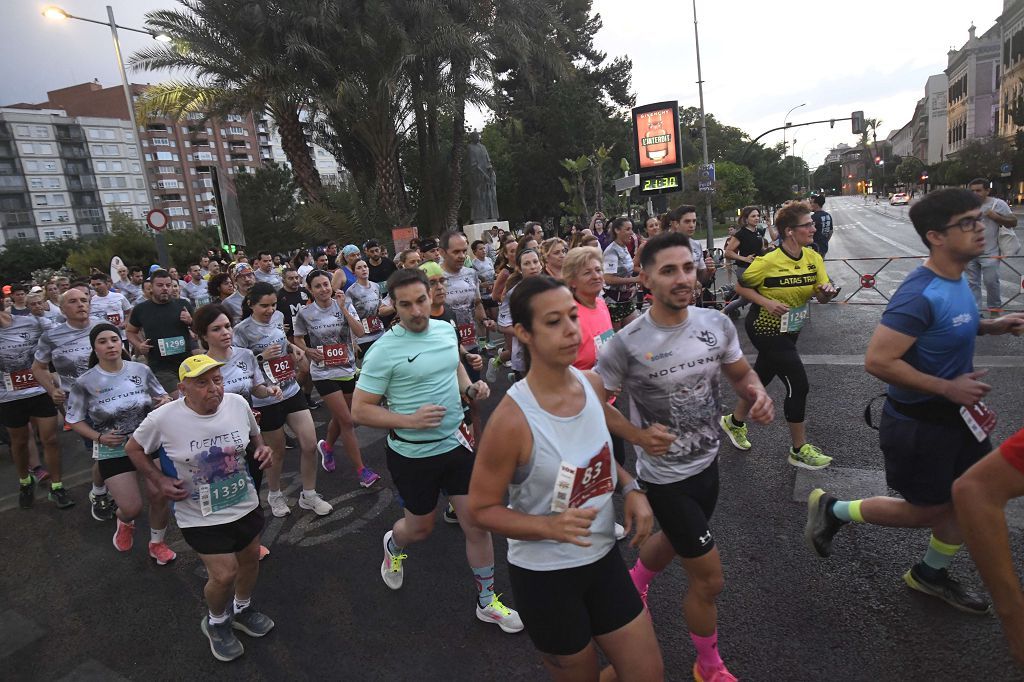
(642, 576)
(707, 651)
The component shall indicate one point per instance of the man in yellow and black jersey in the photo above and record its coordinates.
(780, 285)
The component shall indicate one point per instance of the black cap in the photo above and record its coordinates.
(428, 244)
(370, 244)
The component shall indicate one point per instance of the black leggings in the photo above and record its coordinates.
(777, 357)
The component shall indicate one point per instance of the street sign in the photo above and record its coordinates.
(627, 183)
(157, 219)
(1005, 169)
(706, 177)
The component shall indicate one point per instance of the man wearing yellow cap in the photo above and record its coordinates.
(202, 441)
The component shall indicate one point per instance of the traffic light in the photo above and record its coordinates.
(878, 160)
(857, 122)
(924, 177)
(229, 248)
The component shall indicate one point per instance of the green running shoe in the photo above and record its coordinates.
(809, 457)
(737, 434)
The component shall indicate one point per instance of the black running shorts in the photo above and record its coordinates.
(683, 509)
(17, 413)
(225, 538)
(922, 459)
(273, 417)
(325, 387)
(420, 480)
(564, 609)
(118, 465)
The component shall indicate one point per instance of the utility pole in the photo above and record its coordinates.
(703, 126)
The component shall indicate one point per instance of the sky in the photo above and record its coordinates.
(759, 57)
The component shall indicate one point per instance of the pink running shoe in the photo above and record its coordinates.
(717, 675)
(326, 455)
(124, 536)
(368, 477)
(636, 583)
(161, 553)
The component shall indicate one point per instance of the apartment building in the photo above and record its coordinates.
(972, 97)
(62, 176)
(270, 150)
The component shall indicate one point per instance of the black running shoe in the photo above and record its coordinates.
(311, 402)
(947, 589)
(290, 442)
(449, 514)
(822, 524)
(27, 493)
(60, 497)
(103, 506)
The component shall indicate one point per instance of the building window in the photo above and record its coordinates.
(161, 156)
(57, 199)
(159, 142)
(136, 167)
(49, 235)
(109, 135)
(27, 148)
(67, 233)
(53, 183)
(117, 166)
(50, 165)
(35, 183)
(40, 200)
(97, 150)
(40, 131)
(110, 149)
(21, 131)
(63, 216)
(32, 165)
(101, 166)
(45, 217)
(235, 130)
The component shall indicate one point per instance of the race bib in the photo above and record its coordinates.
(202, 300)
(19, 380)
(372, 324)
(114, 319)
(601, 339)
(257, 415)
(574, 485)
(174, 345)
(793, 320)
(980, 419)
(467, 334)
(282, 369)
(336, 355)
(101, 451)
(223, 494)
(465, 437)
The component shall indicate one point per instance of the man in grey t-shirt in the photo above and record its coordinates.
(668, 360)
(995, 213)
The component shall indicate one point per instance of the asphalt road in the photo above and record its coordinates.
(72, 608)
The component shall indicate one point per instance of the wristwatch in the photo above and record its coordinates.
(633, 486)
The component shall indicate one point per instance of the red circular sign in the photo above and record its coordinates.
(867, 281)
(157, 219)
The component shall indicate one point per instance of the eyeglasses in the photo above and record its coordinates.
(967, 224)
(807, 224)
(438, 281)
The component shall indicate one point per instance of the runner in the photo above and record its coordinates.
(463, 298)
(669, 360)
(67, 347)
(265, 271)
(380, 267)
(742, 248)
(780, 284)
(106, 305)
(239, 371)
(527, 265)
(415, 365)
(553, 255)
(567, 574)
(262, 332)
(618, 274)
(202, 441)
(486, 274)
(220, 287)
(197, 288)
(329, 323)
(934, 425)
(365, 297)
(345, 275)
(24, 401)
(683, 219)
(409, 259)
(115, 395)
(161, 329)
(244, 278)
(291, 298)
(131, 287)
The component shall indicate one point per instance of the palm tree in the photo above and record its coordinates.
(239, 55)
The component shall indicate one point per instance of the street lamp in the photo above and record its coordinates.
(803, 148)
(784, 124)
(56, 13)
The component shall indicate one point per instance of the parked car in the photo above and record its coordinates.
(899, 199)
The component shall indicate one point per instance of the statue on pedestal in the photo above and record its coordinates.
(483, 195)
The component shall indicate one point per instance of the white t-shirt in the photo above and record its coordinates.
(111, 308)
(207, 453)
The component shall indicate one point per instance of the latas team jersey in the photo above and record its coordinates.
(17, 342)
(783, 278)
(256, 337)
(329, 332)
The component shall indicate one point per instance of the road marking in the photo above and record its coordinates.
(891, 242)
(858, 360)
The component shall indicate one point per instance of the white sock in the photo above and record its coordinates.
(217, 620)
(309, 493)
(99, 489)
(273, 493)
(156, 536)
(241, 604)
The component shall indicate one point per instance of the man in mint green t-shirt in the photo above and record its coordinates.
(429, 450)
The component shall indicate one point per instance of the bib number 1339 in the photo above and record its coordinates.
(223, 493)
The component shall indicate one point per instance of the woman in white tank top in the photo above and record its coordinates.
(547, 445)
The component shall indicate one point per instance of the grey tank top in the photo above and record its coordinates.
(571, 465)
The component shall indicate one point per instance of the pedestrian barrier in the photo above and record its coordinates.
(862, 283)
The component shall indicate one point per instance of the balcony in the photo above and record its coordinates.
(73, 168)
(80, 184)
(156, 128)
(12, 183)
(16, 218)
(88, 214)
(240, 157)
(5, 131)
(203, 156)
(65, 134)
(206, 182)
(70, 151)
(6, 150)
(170, 197)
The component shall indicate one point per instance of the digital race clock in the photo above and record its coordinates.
(661, 183)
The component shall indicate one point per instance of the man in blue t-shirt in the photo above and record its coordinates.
(934, 425)
(416, 365)
(822, 224)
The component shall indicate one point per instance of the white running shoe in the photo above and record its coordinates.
(278, 504)
(315, 503)
(505, 618)
(391, 569)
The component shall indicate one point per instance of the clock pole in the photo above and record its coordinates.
(703, 126)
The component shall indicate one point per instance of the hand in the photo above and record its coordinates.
(264, 454)
(112, 439)
(427, 417)
(161, 401)
(339, 296)
(296, 354)
(490, 324)
(185, 316)
(271, 351)
(638, 516)
(58, 396)
(656, 439)
(826, 292)
(570, 526)
(144, 347)
(475, 361)
(710, 263)
(762, 409)
(481, 390)
(314, 354)
(1008, 324)
(275, 392)
(172, 488)
(777, 309)
(966, 390)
